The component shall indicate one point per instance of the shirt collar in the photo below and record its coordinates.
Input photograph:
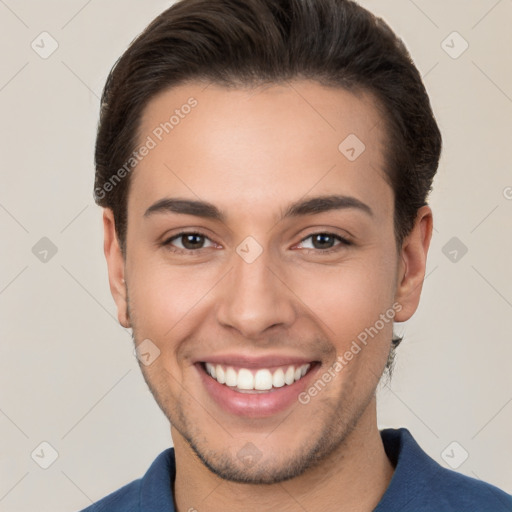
(414, 470)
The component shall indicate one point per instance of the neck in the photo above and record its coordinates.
(352, 478)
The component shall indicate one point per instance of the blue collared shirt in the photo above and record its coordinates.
(419, 484)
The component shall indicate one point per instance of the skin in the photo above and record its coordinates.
(251, 152)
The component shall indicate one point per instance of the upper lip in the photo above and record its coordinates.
(246, 361)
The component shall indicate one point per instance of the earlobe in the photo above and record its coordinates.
(413, 264)
(116, 266)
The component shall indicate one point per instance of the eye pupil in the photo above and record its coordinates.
(189, 243)
(325, 241)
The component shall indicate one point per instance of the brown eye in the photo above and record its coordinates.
(324, 242)
(187, 242)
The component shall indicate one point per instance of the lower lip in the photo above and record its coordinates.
(255, 405)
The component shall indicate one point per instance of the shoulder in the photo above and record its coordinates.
(151, 492)
(125, 499)
(423, 485)
(458, 491)
(455, 488)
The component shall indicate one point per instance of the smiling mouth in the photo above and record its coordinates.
(257, 380)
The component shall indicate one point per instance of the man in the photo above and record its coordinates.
(264, 168)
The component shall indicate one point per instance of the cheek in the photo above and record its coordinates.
(344, 298)
(163, 296)
(348, 298)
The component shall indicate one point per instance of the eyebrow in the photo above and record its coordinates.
(311, 206)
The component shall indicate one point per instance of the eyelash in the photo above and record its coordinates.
(168, 243)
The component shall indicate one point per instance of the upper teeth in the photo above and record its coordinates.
(262, 379)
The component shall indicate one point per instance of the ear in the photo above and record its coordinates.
(413, 260)
(115, 264)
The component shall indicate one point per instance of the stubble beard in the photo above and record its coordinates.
(317, 448)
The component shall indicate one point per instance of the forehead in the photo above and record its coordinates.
(251, 146)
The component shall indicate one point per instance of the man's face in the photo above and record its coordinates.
(258, 283)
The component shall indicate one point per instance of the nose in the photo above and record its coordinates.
(255, 297)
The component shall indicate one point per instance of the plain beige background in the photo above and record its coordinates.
(68, 375)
